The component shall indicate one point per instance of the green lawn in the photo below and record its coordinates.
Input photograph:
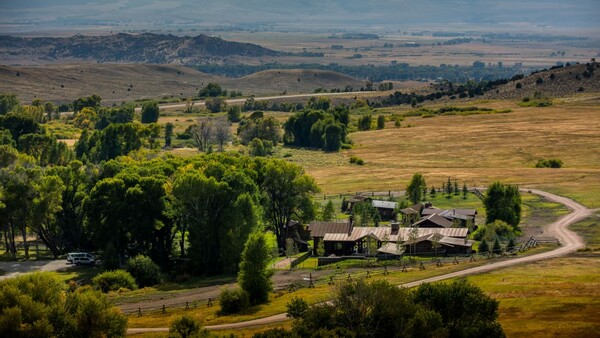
(589, 229)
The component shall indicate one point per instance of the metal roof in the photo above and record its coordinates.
(392, 249)
(384, 204)
(385, 234)
(319, 229)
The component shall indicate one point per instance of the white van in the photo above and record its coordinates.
(81, 258)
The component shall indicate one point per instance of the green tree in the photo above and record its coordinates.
(432, 192)
(380, 122)
(168, 134)
(187, 327)
(89, 101)
(483, 246)
(449, 188)
(211, 90)
(215, 105)
(465, 309)
(465, 191)
(39, 305)
(150, 112)
(234, 114)
(144, 270)
(7, 103)
(497, 248)
(364, 122)
(503, 202)
(414, 190)
(254, 276)
(287, 192)
(46, 205)
(456, 190)
(328, 212)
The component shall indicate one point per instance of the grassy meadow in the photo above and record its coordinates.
(476, 149)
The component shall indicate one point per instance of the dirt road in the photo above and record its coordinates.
(569, 241)
(15, 268)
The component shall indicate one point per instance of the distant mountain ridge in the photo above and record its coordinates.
(128, 48)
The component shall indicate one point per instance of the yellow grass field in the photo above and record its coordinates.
(476, 149)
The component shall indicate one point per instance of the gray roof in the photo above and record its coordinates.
(451, 214)
(384, 204)
(391, 249)
(319, 229)
(436, 219)
(447, 241)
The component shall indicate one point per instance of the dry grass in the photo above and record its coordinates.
(478, 149)
(554, 298)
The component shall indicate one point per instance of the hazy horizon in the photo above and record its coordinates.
(535, 16)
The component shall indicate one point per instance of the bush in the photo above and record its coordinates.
(187, 327)
(114, 280)
(233, 300)
(549, 163)
(356, 160)
(297, 307)
(144, 270)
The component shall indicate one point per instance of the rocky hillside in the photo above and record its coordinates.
(554, 82)
(125, 48)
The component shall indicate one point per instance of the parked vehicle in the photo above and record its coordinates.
(81, 258)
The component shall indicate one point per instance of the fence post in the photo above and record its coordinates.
(368, 274)
(349, 278)
(164, 309)
(422, 267)
(187, 306)
(310, 285)
(209, 303)
(331, 280)
(139, 311)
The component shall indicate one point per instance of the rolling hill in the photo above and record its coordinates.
(125, 48)
(117, 83)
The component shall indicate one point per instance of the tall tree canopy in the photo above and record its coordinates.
(503, 202)
(287, 193)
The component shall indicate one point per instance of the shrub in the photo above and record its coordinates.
(144, 270)
(549, 163)
(297, 307)
(113, 280)
(356, 160)
(483, 246)
(380, 122)
(187, 327)
(233, 300)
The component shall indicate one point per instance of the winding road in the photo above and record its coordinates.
(569, 241)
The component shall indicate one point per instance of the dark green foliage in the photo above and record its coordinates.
(483, 246)
(7, 103)
(503, 202)
(233, 300)
(319, 103)
(356, 160)
(115, 140)
(511, 244)
(317, 129)
(254, 276)
(39, 305)
(168, 134)
(276, 333)
(380, 122)
(264, 128)
(287, 193)
(465, 191)
(45, 149)
(414, 190)
(234, 113)
(449, 188)
(365, 122)
(432, 192)
(187, 327)
(89, 101)
(211, 90)
(456, 190)
(113, 280)
(19, 125)
(150, 112)
(549, 163)
(465, 310)
(144, 270)
(497, 248)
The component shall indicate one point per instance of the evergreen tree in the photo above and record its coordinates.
(456, 190)
(483, 246)
(414, 190)
(465, 191)
(497, 248)
(168, 134)
(150, 112)
(380, 122)
(448, 188)
(328, 213)
(432, 192)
